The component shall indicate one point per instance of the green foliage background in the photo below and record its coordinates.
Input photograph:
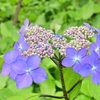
(47, 13)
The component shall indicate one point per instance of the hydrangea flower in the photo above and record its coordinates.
(25, 26)
(9, 58)
(21, 45)
(92, 67)
(28, 71)
(96, 46)
(75, 58)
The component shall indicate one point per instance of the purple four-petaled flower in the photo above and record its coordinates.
(92, 67)
(9, 58)
(21, 45)
(75, 58)
(96, 46)
(28, 71)
(25, 26)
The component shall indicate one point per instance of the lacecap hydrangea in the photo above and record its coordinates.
(22, 63)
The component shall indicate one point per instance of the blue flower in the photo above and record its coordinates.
(25, 26)
(92, 67)
(96, 46)
(75, 58)
(21, 45)
(28, 71)
(9, 58)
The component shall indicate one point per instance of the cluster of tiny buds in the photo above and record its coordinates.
(81, 32)
(59, 43)
(78, 43)
(38, 39)
(43, 49)
(79, 36)
(44, 43)
(37, 33)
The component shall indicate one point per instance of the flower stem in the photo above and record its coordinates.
(51, 96)
(63, 84)
(74, 86)
(62, 79)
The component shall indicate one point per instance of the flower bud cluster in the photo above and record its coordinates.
(59, 43)
(38, 38)
(81, 32)
(79, 36)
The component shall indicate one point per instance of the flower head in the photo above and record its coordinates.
(75, 58)
(96, 46)
(21, 45)
(9, 58)
(92, 67)
(28, 71)
(25, 27)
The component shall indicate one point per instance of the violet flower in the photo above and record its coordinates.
(96, 46)
(9, 58)
(25, 26)
(28, 71)
(21, 45)
(92, 67)
(75, 58)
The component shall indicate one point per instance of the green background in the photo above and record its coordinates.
(47, 13)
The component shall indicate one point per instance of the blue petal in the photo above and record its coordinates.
(13, 75)
(93, 57)
(85, 70)
(38, 75)
(19, 66)
(23, 80)
(96, 77)
(85, 60)
(92, 47)
(22, 30)
(22, 57)
(98, 41)
(26, 22)
(67, 62)
(25, 46)
(11, 56)
(21, 39)
(82, 52)
(71, 52)
(77, 66)
(6, 69)
(33, 62)
(87, 25)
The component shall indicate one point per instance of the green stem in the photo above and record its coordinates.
(63, 83)
(51, 96)
(74, 86)
(62, 78)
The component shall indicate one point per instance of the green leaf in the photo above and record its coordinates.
(1, 62)
(96, 8)
(4, 30)
(16, 91)
(70, 77)
(5, 94)
(73, 94)
(28, 96)
(3, 44)
(88, 9)
(82, 97)
(50, 63)
(90, 89)
(95, 89)
(4, 82)
(48, 86)
(85, 87)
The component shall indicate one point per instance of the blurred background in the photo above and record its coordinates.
(45, 13)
